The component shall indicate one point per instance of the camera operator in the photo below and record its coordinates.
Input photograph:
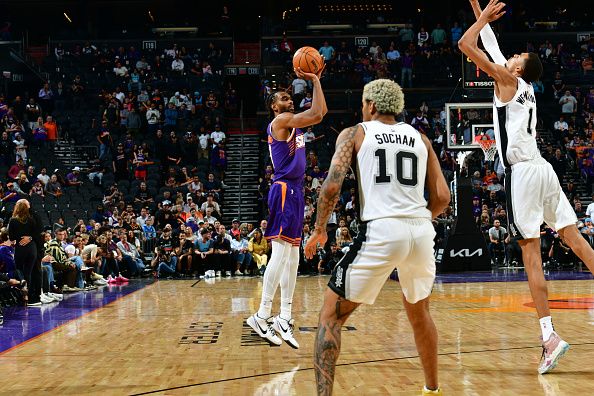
(165, 262)
(329, 258)
(560, 254)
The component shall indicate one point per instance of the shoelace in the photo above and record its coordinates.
(544, 353)
(269, 322)
(271, 329)
(290, 327)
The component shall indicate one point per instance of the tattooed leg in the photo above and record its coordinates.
(335, 312)
(425, 338)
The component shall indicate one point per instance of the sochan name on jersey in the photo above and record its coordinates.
(395, 139)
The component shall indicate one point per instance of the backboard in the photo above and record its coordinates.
(465, 121)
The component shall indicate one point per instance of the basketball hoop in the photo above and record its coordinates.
(488, 146)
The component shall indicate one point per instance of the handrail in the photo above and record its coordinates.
(240, 157)
(23, 58)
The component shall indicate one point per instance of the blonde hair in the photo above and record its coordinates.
(21, 211)
(386, 94)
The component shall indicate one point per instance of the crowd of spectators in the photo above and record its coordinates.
(410, 58)
(161, 163)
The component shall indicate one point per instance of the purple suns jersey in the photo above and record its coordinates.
(288, 157)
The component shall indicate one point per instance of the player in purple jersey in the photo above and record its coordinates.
(285, 201)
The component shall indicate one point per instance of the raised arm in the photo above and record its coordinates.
(506, 82)
(313, 115)
(488, 37)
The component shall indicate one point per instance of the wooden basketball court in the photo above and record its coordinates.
(189, 337)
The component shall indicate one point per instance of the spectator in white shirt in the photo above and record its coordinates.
(561, 124)
(120, 70)
(203, 140)
(299, 86)
(217, 135)
(119, 95)
(43, 177)
(210, 202)
(568, 103)
(144, 215)
(309, 135)
(177, 65)
(208, 217)
(172, 52)
(153, 115)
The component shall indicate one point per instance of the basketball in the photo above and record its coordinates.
(308, 59)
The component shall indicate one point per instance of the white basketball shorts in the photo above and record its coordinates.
(533, 195)
(380, 246)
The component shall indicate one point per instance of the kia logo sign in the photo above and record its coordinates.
(466, 253)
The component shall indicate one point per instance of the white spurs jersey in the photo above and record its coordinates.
(391, 167)
(515, 126)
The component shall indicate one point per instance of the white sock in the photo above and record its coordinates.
(287, 282)
(546, 325)
(272, 276)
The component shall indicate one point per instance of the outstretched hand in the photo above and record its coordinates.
(493, 11)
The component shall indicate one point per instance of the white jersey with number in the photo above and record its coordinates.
(391, 168)
(515, 126)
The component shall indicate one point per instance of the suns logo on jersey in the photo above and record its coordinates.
(300, 141)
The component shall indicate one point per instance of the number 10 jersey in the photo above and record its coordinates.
(391, 167)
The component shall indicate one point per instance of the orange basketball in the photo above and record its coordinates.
(308, 59)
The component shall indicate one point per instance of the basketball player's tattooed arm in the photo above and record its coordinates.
(340, 165)
(468, 45)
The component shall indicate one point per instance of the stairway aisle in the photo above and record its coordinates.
(242, 178)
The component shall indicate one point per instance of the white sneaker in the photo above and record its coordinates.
(95, 276)
(264, 329)
(218, 274)
(238, 272)
(100, 282)
(552, 350)
(285, 329)
(56, 296)
(45, 299)
(227, 273)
